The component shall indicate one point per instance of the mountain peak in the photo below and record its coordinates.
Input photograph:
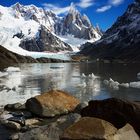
(73, 9)
(17, 5)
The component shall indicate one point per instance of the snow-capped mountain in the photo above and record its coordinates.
(77, 25)
(36, 29)
(122, 40)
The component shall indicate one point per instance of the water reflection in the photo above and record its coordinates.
(34, 79)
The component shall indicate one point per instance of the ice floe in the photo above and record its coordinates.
(112, 84)
(12, 69)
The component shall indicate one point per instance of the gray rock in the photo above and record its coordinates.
(11, 125)
(41, 133)
(32, 121)
(77, 25)
(65, 121)
(14, 137)
(20, 120)
(80, 107)
(14, 107)
(45, 42)
(51, 131)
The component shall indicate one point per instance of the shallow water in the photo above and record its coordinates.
(34, 79)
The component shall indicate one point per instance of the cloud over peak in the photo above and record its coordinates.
(57, 9)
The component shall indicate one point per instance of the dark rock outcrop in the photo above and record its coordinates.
(9, 58)
(121, 41)
(15, 107)
(45, 41)
(116, 111)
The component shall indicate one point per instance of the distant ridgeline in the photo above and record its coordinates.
(9, 58)
(121, 41)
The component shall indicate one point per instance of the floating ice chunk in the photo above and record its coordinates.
(83, 75)
(138, 74)
(106, 82)
(82, 85)
(13, 69)
(92, 76)
(125, 85)
(112, 84)
(135, 84)
(2, 74)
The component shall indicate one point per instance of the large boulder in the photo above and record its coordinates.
(52, 103)
(126, 133)
(88, 128)
(116, 111)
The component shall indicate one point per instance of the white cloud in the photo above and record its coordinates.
(116, 2)
(103, 9)
(109, 5)
(85, 3)
(61, 10)
(56, 9)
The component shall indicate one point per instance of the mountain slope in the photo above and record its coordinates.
(9, 58)
(23, 28)
(122, 40)
(35, 29)
(77, 25)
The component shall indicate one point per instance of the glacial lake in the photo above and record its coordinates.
(35, 79)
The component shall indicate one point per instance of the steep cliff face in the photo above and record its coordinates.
(46, 41)
(78, 25)
(122, 40)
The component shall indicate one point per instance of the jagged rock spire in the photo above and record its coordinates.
(72, 9)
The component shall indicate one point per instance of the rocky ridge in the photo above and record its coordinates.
(39, 30)
(121, 41)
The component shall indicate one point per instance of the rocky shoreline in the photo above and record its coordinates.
(56, 115)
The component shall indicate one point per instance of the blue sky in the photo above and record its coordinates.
(101, 12)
